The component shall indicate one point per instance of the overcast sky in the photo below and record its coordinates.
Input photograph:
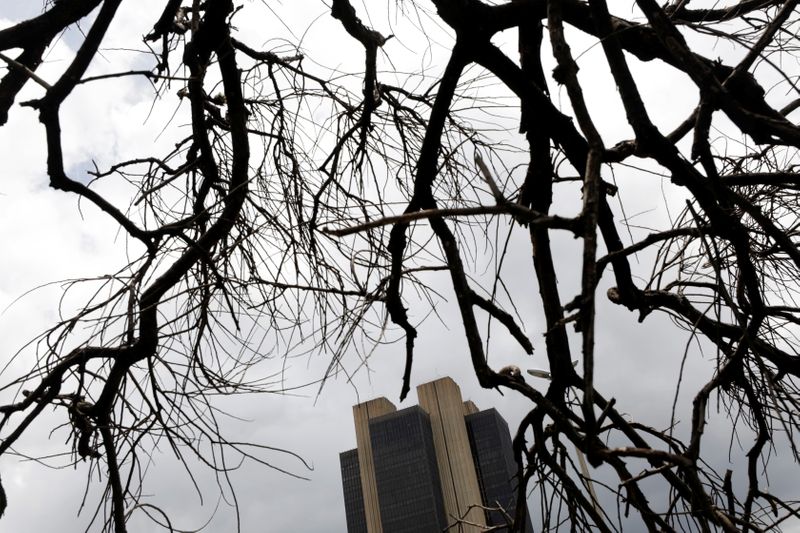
(48, 236)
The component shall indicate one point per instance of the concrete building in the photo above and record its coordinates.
(419, 469)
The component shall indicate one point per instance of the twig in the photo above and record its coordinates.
(28, 72)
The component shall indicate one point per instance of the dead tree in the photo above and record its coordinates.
(260, 217)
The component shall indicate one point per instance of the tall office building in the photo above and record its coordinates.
(420, 469)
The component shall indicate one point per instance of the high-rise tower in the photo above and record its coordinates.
(421, 469)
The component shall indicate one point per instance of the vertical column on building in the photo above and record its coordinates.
(441, 399)
(362, 414)
(470, 408)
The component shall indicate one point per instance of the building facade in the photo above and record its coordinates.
(421, 469)
(494, 461)
(353, 495)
